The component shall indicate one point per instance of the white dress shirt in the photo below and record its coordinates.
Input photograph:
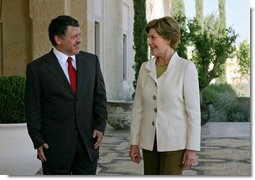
(62, 59)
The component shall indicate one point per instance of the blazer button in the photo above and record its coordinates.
(153, 124)
(154, 97)
(156, 84)
(155, 110)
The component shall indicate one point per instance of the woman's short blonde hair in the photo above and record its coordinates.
(166, 27)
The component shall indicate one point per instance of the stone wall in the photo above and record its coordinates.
(113, 36)
(41, 13)
(15, 36)
(24, 36)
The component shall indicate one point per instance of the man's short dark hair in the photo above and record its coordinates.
(58, 26)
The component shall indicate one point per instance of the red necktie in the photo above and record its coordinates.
(72, 74)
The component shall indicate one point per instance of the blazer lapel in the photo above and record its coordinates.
(55, 68)
(150, 66)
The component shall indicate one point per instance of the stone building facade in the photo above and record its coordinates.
(107, 30)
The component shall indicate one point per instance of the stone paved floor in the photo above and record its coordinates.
(225, 151)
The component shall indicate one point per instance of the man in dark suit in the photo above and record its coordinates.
(65, 103)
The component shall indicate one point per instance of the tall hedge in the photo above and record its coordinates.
(140, 36)
(12, 99)
(178, 13)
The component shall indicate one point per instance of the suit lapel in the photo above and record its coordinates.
(81, 72)
(55, 68)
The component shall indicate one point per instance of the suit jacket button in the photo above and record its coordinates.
(155, 110)
(153, 124)
(154, 97)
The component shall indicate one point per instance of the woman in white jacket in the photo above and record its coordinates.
(166, 109)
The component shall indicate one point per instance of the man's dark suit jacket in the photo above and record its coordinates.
(55, 114)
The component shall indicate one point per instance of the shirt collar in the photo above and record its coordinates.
(62, 57)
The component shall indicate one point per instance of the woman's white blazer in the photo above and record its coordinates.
(168, 106)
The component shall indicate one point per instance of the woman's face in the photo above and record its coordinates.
(158, 45)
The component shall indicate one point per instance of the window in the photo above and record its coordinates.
(124, 57)
(97, 39)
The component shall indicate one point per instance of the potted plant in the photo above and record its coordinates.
(119, 113)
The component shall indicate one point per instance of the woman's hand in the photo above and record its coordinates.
(134, 154)
(188, 158)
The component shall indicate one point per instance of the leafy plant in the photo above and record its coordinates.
(226, 105)
(239, 111)
(12, 99)
(140, 36)
(211, 49)
(243, 56)
(184, 39)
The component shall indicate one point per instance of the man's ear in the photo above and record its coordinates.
(57, 39)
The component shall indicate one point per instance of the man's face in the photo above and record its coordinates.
(69, 45)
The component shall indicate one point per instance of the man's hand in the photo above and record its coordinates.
(98, 136)
(40, 152)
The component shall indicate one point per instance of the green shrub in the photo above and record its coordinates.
(239, 111)
(12, 99)
(227, 107)
(218, 115)
(209, 94)
(214, 91)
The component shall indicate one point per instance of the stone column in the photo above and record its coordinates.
(14, 37)
(42, 12)
(79, 10)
